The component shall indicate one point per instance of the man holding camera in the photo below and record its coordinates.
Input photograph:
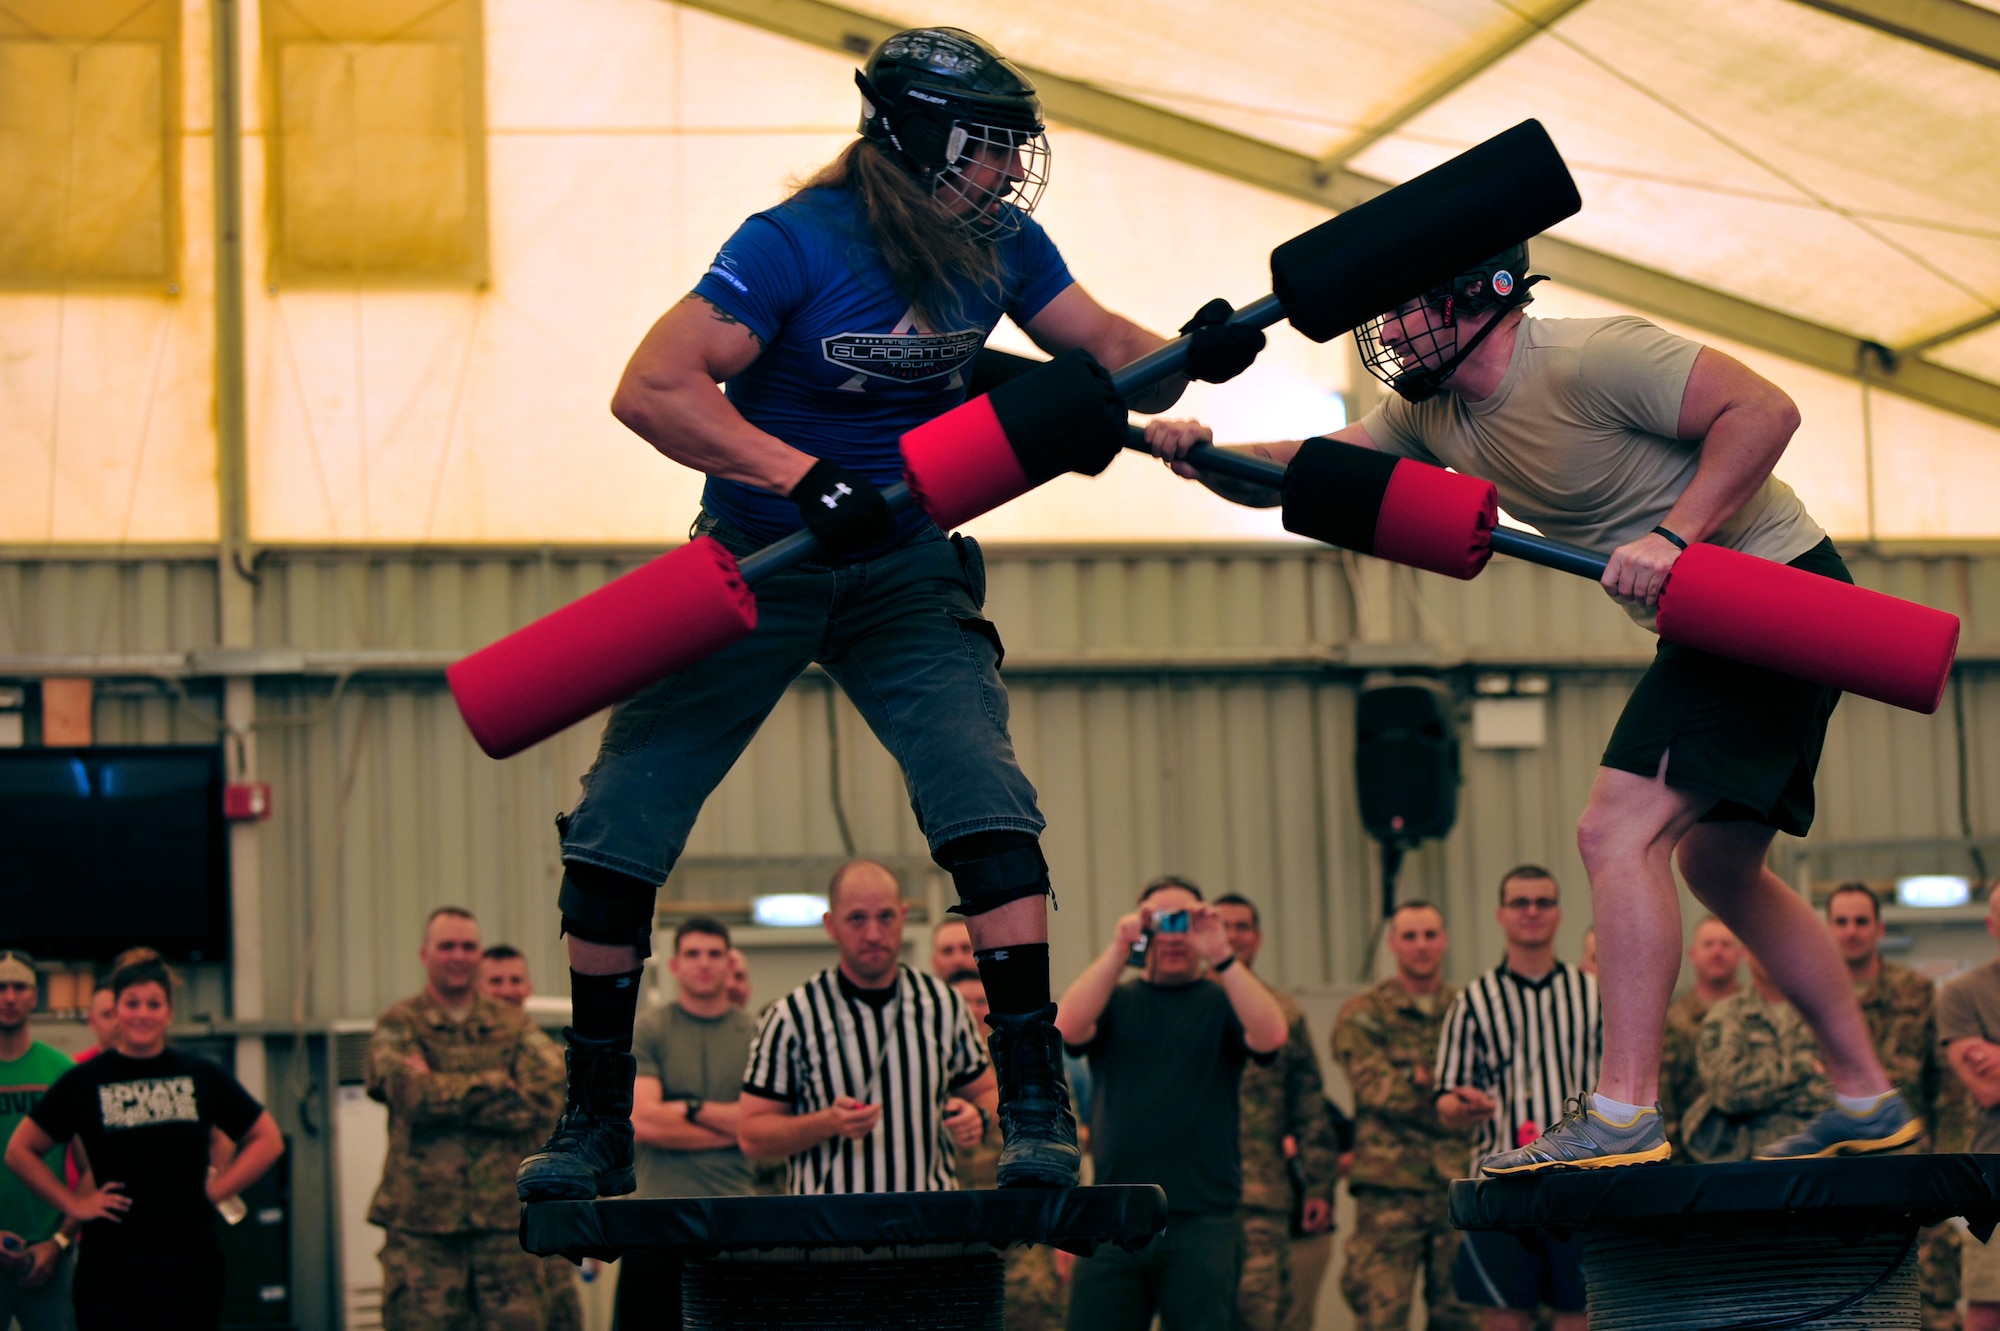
(1166, 1056)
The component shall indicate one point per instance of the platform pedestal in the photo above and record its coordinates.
(926, 1261)
(1810, 1245)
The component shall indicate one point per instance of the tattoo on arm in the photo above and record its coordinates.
(723, 316)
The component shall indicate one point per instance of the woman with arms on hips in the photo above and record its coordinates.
(147, 1257)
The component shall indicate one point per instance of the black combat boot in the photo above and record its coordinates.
(1037, 1128)
(589, 1154)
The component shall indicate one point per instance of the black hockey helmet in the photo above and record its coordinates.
(958, 114)
(1421, 347)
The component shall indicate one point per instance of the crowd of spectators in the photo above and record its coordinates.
(1186, 1070)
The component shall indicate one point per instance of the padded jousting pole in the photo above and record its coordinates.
(1723, 601)
(1064, 415)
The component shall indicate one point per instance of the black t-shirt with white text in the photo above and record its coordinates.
(145, 1123)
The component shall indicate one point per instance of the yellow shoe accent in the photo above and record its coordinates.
(1902, 1136)
(1652, 1155)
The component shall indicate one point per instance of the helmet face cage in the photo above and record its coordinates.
(995, 178)
(1424, 348)
(1415, 347)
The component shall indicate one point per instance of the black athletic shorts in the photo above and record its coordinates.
(1748, 736)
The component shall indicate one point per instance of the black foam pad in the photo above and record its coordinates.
(1425, 231)
(1062, 415)
(1074, 1219)
(1850, 1196)
(1333, 492)
(993, 368)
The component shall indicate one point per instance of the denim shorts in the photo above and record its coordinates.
(903, 637)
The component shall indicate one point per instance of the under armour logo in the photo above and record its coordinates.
(839, 488)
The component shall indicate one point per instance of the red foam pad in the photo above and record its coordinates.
(1821, 629)
(661, 617)
(960, 464)
(1437, 520)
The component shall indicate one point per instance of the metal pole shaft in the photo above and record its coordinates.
(1513, 541)
(1140, 375)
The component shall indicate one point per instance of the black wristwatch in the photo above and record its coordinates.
(694, 1109)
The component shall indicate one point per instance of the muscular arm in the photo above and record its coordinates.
(668, 397)
(1073, 319)
(1982, 1081)
(768, 1129)
(1743, 422)
(1264, 1026)
(1083, 1002)
(663, 1123)
(1243, 492)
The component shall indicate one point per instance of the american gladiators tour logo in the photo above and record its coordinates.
(909, 353)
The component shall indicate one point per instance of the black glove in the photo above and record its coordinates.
(842, 508)
(1217, 349)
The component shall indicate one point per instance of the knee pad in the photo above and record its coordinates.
(605, 906)
(991, 869)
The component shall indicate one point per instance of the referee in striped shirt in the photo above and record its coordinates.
(1519, 1041)
(869, 1077)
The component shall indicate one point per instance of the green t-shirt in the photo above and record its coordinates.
(701, 1057)
(22, 1082)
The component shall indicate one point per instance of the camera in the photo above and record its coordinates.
(1169, 922)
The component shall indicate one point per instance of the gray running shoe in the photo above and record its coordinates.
(1887, 1125)
(1586, 1139)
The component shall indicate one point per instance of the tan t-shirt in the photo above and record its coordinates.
(1579, 439)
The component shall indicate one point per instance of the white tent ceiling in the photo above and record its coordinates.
(1782, 181)
(1808, 163)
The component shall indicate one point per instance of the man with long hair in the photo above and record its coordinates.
(838, 320)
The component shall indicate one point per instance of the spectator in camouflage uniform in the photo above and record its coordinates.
(1717, 960)
(1283, 1102)
(1404, 1158)
(471, 1085)
(1900, 1007)
(1037, 1298)
(504, 978)
(1760, 1070)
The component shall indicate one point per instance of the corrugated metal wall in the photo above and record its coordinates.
(1183, 711)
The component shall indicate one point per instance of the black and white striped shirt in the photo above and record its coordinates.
(822, 1041)
(1530, 1044)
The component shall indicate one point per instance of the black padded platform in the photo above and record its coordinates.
(1816, 1245)
(1074, 1219)
(1841, 1196)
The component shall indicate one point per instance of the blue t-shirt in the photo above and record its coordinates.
(846, 368)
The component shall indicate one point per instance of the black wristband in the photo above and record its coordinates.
(1217, 349)
(1223, 965)
(1662, 531)
(842, 508)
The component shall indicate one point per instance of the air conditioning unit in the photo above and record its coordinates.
(361, 1143)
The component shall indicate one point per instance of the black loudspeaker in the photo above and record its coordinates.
(258, 1253)
(1406, 760)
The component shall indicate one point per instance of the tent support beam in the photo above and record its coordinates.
(1456, 70)
(1953, 27)
(1212, 148)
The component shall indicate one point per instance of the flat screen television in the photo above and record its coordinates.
(102, 849)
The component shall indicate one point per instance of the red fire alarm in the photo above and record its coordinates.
(246, 801)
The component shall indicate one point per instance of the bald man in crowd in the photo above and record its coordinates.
(1716, 957)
